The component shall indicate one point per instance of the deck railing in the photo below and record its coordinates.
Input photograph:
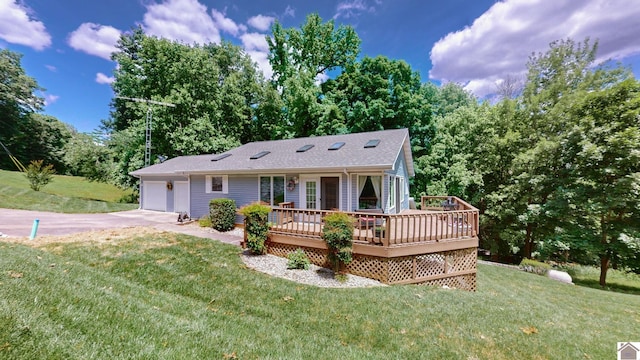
(430, 224)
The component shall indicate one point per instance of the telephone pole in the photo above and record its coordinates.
(147, 148)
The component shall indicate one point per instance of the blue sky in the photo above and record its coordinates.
(476, 43)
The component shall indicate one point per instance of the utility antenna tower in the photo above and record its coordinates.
(147, 147)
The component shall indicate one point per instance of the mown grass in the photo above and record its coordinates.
(617, 280)
(174, 296)
(67, 194)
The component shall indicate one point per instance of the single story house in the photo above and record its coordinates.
(350, 172)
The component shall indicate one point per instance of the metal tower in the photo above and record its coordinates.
(147, 148)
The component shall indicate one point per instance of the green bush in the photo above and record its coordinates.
(338, 234)
(223, 214)
(534, 266)
(39, 174)
(256, 226)
(298, 260)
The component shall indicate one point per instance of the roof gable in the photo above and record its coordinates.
(284, 156)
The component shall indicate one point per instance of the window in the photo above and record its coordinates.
(372, 143)
(392, 192)
(336, 146)
(272, 189)
(217, 184)
(304, 148)
(259, 155)
(369, 191)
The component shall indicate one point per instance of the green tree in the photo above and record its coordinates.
(529, 199)
(88, 156)
(602, 153)
(17, 100)
(215, 89)
(298, 57)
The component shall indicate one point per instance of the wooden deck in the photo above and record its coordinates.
(436, 245)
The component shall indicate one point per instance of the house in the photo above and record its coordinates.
(627, 351)
(349, 172)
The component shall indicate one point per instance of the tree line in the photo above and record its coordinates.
(553, 165)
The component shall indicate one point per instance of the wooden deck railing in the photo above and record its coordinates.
(413, 226)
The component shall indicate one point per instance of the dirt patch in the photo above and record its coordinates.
(107, 236)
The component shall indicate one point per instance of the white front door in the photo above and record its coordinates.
(310, 194)
(181, 196)
(154, 195)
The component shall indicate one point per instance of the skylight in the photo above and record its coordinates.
(336, 146)
(259, 155)
(305, 148)
(372, 143)
(220, 157)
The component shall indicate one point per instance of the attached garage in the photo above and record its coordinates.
(154, 195)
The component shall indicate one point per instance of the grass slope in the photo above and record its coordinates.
(67, 194)
(175, 296)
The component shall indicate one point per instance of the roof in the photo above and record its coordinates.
(283, 156)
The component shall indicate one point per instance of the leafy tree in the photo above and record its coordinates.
(602, 153)
(42, 137)
(17, 100)
(215, 89)
(88, 156)
(298, 57)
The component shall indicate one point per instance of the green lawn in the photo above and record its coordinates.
(67, 194)
(171, 296)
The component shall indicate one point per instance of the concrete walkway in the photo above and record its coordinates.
(18, 223)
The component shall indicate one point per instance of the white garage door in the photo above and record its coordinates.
(154, 195)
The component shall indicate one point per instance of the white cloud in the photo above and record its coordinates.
(500, 41)
(17, 26)
(227, 25)
(353, 8)
(104, 79)
(182, 20)
(261, 22)
(255, 41)
(95, 39)
(50, 99)
(51, 68)
(260, 58)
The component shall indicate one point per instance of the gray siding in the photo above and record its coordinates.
(242, 189)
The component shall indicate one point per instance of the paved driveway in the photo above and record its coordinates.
(19, 223)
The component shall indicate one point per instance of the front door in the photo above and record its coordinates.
(320, 193)
(181, 196)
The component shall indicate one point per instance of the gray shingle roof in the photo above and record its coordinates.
(283, 157)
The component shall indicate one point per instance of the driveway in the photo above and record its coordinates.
(20, 222)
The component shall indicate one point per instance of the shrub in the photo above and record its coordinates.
(39, 174)
(338, 234)
(223, 214)
(205, 221)
(256, 226)
(534, 266)
(298, 260)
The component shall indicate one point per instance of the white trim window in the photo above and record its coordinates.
(217, 184)
(369, 191)
(392, 192)
(272, 189)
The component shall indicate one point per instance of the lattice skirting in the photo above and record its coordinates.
(455, 269)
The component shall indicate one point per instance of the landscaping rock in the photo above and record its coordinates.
(560, 276)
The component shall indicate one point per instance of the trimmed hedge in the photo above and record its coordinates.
(256, 226)
(223, 214)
